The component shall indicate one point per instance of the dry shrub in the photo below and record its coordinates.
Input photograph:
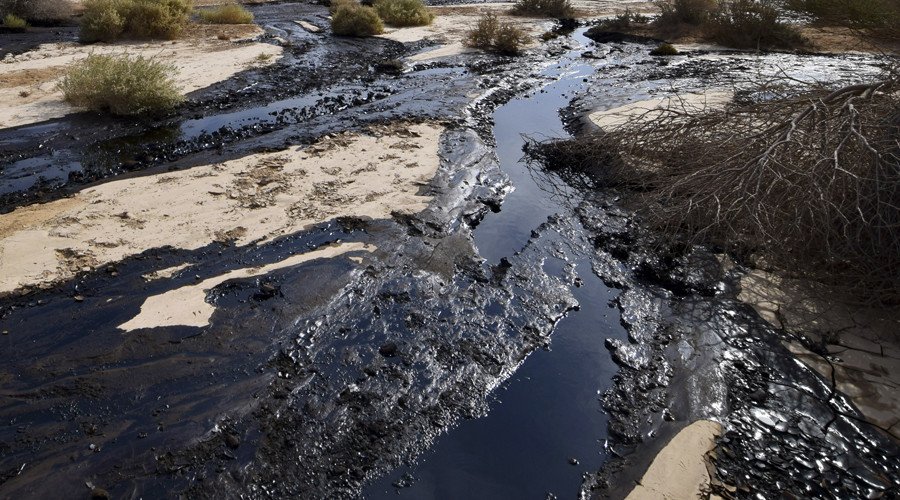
(109, 20)
(675, 12)
(751, 24)
(121, 85)
(808, 184)
(42, 12)
(559, 9)
(231, 13)
(334, 4)
(878, 17)
(735, 23)
(353, 19)
(404, 12)
(491, 34)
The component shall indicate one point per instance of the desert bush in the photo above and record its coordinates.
(38, 11)
(880, 17)
(622, 21)
(109, 20)
(231, 13)
(675, 12)
(356, 20)
(404, 12)
(491, 34)
(121, 84)
(807, 183)
(664, 49)
(15, 22)
(334, 4)
(559, 9)
(751, 24)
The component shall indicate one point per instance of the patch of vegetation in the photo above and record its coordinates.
(491, 34)
(14, 22)
(693, 12)
(231, 13)
(110, 20)
(352, 19)
(735, 23)
(664, 49)
(879, 17)
(805, 184)
(121, 85)
(559, 9)
(751, 24)
(334, 4)
(41, 12)
(622, 21)
(404, 12)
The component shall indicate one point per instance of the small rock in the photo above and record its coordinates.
(388, 350)
(573, 461)
(78, 298)
(232, 441)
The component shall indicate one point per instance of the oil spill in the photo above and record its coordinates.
(319, 379)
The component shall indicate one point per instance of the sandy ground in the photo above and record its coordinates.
(187, 305)
(680, 470)
(28, 82)
(651, 109)
(453, 22)
(261, 196)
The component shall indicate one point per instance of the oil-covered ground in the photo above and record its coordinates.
(513, 335)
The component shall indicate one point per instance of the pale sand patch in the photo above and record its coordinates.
(258, 197)
(865, 362)
(28, 82)
(187, 306)
(165, 273)
(451, 24)
(679, 471)
(651, 109)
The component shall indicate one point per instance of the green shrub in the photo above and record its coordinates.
(751, 24)
(880, 17)
(489, 33)
(102, 20)
(160, 19)
(675, 12)
(121, 84)
(231, 13)
(38, 11)
(356, 20)
(334, 4)
(559, 9)
(15, 22)
(109, 20)
(664, 49)
(404, 12)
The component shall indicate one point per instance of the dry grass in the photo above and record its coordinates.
(404, 12)
(231, 13)
(490, 33)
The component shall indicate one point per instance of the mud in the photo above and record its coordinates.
(319, 378)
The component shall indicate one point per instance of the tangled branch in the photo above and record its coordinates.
(810, 183)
